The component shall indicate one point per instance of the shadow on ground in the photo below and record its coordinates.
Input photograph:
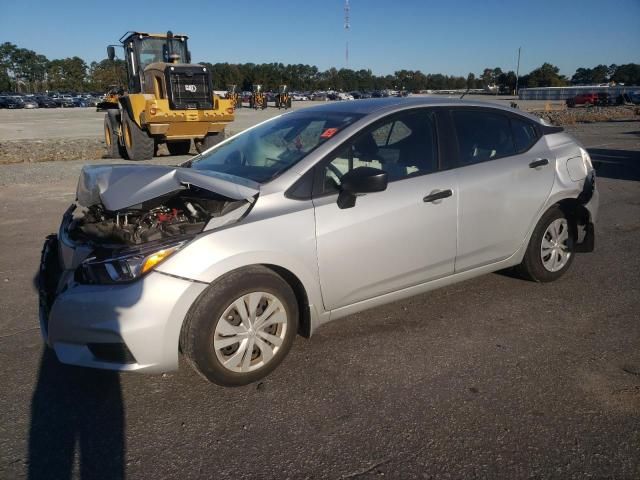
(618, 164)
(77, 416)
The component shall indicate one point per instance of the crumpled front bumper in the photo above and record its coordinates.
(133, 326)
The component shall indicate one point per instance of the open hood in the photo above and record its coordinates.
(118, 187)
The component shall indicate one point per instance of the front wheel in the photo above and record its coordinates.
(211, 140)
(241, 327)
(551, 248)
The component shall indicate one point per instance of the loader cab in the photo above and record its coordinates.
(143, 49)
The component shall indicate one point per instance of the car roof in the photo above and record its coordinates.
(371, 105)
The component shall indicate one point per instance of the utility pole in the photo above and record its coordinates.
(347, 26)
(518, 71)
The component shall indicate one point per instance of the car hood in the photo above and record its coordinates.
(123, 186)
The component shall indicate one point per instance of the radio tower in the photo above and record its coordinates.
(347, 26)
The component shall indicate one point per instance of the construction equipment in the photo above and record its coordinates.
(283, 99)
(258, 98)
(110, 99)
(169, 100)
(234, 96)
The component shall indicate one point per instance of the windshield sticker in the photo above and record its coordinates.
(329, 132)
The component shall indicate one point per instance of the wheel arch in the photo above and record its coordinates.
(304, 322)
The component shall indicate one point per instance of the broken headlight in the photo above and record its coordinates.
(127, 265)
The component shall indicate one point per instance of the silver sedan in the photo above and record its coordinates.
(303, 219)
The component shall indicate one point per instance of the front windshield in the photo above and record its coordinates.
(262, 153)
(154, 50)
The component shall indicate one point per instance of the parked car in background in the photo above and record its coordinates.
(299, 97)
(65, 101)
(303, 219)
(30, 102)
(45, 101)
(586, 99)
(604, 99)
(11, 102)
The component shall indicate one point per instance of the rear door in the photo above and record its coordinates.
(393, 239)
(505, 175)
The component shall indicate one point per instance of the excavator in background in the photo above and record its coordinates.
(283, 98)
(168, 100)
(258, 98)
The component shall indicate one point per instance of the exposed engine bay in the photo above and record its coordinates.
(181, 213)
(122, 205)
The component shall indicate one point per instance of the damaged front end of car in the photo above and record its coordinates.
(126, 220)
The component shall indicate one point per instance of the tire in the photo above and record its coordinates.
(215, 321)
(252, 103)
(548, 261)
(264, 103)
(289, 102)
(209, 141)
(181, 147)
(138, 144)
(111, 140)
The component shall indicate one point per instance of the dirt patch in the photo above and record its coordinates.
(27, 151)
(571, 116)
(58, 149)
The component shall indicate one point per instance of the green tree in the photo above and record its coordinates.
(629, 74)
(546, 75)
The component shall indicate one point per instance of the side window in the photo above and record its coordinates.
(482, 135)
(524, 134)
(403, 146)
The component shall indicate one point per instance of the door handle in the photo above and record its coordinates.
(539, 163)
(435, 196)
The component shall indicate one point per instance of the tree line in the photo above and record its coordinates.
(27, 71)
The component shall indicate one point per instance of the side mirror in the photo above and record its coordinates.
(111, 52)
(360, 180)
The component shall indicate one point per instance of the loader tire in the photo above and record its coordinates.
(111, 140)
(209, 141)
(137, 142)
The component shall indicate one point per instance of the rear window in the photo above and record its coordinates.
(524, 134)
(482, 136)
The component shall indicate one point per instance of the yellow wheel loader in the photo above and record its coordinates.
(169, 100)
(283, 99)
(258, 98)
(234, 96)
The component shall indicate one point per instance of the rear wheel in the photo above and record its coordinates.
(264, 103)
(137, 142)
(241, 327)
(181, 147)
(550, 251)
(209, 141)
(111, 124)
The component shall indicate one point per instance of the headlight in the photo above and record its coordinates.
(128, 265)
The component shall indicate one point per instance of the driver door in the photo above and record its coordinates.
(393, 239)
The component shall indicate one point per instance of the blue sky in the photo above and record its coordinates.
(451, 37)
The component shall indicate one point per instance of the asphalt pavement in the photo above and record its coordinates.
(495, 377)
